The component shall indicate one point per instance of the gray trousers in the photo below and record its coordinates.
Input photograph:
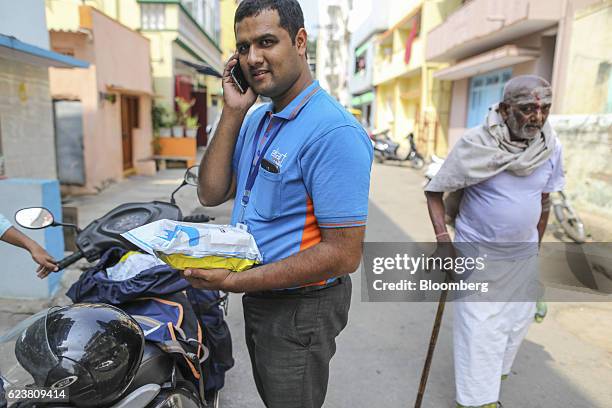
(291, 338)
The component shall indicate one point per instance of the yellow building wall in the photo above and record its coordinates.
(163, 53)
(436, 114)
(435, 94)
(385, 113)
(398, 107)
(162, 65)
(62, 15)
(414, 100)
(228, 39)
(400, 8)
(589, 81)
(408, 104)
(125, 11)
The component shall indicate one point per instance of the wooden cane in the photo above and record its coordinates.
(432, 347)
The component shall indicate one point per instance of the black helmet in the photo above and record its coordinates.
(92, 350)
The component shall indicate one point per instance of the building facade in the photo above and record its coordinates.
(27, 142)
(569, 43)
(361, 65)
(102, 113)
(489, 42)
(185, 53)
(408, 98)
(27, 146)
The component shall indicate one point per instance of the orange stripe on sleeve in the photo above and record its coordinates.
(311, 234)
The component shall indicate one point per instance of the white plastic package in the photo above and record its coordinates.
(184, 245)
(131, 264)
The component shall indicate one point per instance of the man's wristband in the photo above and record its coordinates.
(442, 234)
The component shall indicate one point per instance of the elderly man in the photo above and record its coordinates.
(500, 175)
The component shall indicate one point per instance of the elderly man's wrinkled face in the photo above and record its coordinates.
(525, 111)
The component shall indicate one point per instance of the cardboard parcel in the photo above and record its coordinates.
(184, 245)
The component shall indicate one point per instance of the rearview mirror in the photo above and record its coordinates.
(34, 217)
(191, 175)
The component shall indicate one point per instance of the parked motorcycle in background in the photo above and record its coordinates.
(145, 340)
(386, 149)
(568, 218)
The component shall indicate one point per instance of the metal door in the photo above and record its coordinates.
(68, 120)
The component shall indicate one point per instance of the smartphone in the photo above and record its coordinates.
(238, 77)
(269, 166)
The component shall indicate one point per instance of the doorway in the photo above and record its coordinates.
(199, 110)
(129, 121)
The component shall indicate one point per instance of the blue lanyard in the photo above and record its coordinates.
(261, 143)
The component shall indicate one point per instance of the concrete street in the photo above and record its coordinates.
(565, 362)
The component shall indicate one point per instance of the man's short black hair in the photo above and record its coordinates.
(289, 11)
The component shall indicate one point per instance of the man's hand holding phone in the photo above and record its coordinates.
(232, 95)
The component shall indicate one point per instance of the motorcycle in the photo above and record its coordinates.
(568, 218)
(157, 380)
(386, 149)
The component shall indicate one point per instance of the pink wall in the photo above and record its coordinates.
(142, 139)
(119, 61)
(122, 55)
(458, 111)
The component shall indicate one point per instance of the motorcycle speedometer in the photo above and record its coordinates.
(127, 221)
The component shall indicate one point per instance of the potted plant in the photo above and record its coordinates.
(165, 132)
(183, 109)
(177, 129)
(161, 121)
(191, 126)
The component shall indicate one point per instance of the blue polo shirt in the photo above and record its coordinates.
(324, 158)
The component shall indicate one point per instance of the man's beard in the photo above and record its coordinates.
(521, 132)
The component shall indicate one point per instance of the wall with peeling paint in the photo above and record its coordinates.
(587, 148)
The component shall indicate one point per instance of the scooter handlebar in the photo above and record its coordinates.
(69, 260)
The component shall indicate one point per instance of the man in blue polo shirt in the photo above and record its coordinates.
(299, 169)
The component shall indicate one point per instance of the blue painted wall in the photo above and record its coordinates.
(485, 90)
(17, 269)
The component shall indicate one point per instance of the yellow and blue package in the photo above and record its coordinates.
(184, 245)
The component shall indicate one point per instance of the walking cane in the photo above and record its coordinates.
(432, 347)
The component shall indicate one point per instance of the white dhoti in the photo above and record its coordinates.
(487, 335)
